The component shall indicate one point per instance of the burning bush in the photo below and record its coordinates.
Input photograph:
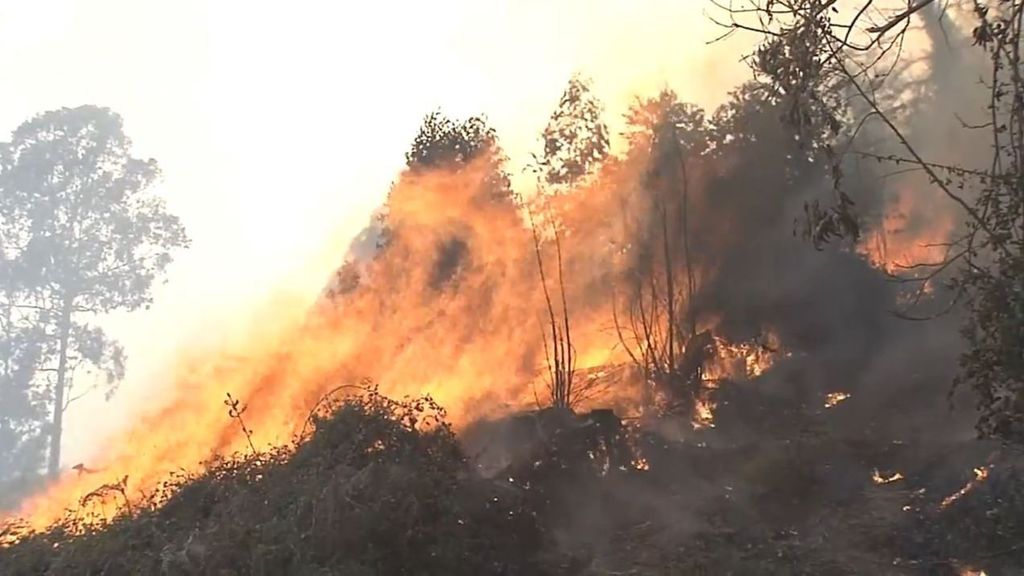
(379, 487)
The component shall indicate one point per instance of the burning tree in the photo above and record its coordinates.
(575, 144)
(662, 337)
(444, 143)
(576, 138)
(559, 352)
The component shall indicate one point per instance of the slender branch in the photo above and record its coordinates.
(902, 16)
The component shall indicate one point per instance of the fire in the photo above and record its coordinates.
(745, 359)
(833, 399)
(980, 475)
(453, 307)
(913, 231)
(482, 340)
(704, 415)
(878, 478)
(467, 326)
(734, 361)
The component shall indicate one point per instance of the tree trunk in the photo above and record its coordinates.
(57, 428)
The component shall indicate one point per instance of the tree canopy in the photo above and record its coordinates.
(575, 138)
(442, 142)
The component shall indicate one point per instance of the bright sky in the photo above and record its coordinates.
(279, 124)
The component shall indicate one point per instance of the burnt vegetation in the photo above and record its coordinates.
(800, 399)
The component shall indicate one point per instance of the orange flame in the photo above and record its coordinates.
(878, 478)
(833, 399)
(914, 231)
(480, 332)
(733, 361)
(980, 475)
(464, 325)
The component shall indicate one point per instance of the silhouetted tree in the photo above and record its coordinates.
(82, 237)
(661, 335)
(648, 115)
(575, 138)
(575, 142)
(445, 143)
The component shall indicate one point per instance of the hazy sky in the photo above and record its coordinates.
(279, 125)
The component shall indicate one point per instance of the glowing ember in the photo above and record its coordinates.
(834, 398)
(704, 415)
(980, 474)
(641, 464)
(878, 478)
